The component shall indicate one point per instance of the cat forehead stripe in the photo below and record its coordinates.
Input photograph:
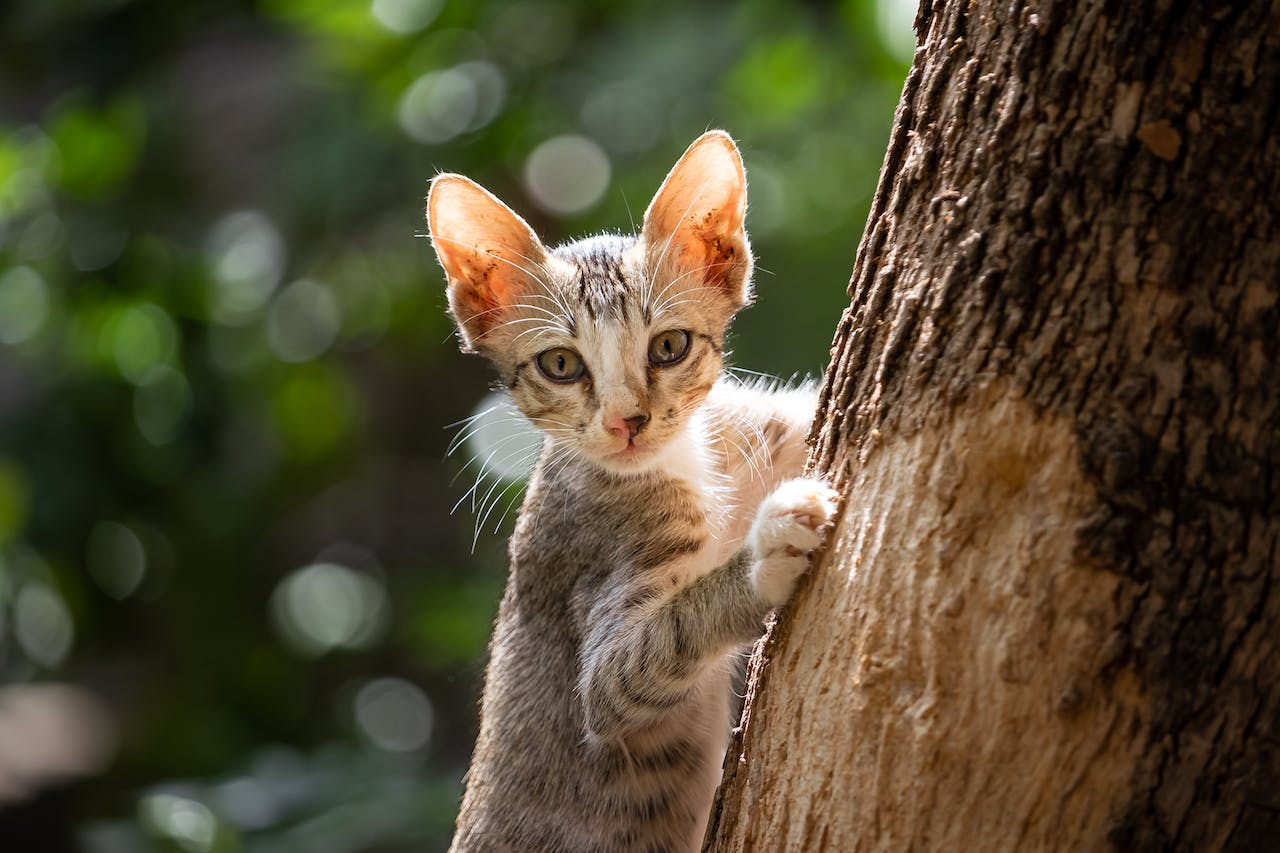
(602, 286)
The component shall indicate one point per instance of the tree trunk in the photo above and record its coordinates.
(1049, 615)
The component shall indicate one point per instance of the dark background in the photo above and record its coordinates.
(236, 612)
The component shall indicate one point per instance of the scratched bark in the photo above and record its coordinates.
(1049, 615)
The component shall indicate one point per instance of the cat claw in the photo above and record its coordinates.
(788, 528)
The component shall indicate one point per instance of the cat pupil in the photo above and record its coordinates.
(560, 365)
(669, 347)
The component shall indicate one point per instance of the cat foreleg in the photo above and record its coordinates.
(648, 651)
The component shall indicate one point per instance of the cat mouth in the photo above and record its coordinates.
(631, 452)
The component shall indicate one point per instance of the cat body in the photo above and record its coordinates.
(659, 527)
(541, 778)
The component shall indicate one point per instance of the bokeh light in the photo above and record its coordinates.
(394, 715)
(248, 258)
(406, 16)
(247, 802)
(187, 822)
(161, 404)
(43, 235)
(95, 243)
(29, 157)
(24, 304)
(42, 624)
(626, 116)
(534, 32)
(441, 105)
(303, 321)
(324, 606)
(894, 20)
(116, 558)
(567, 174)
(50, 733)
(144, 336)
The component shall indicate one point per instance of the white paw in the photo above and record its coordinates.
(788, 526)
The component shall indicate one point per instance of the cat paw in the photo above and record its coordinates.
(788, 527)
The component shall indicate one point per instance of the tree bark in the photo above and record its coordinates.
(1048, 616)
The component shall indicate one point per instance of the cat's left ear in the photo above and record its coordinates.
(694, 229)
(491, 257)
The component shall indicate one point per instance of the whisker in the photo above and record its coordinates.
(544, 279)
(746, 457)
(761, 456)
(566, 425)
(469, 418)
(487, 508)
(475, 429)
(627, 205)
(484, 468)
(554, 299)
(545, 329)
(520, 304)
(685, 275)
(498, 525)
(516, 320)
(662, 306)
(561, 456)
(474, 491)
(490, 502)
(468, 432)
(684, 293)
(667, 246)
(769, 376)
(503, 517)
(497, 257)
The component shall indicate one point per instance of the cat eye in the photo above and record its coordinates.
(668, 347)
(561, 365)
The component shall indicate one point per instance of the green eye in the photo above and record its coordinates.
(561, 365)
(668, 347)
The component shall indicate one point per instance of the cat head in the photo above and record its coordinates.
(607, 344)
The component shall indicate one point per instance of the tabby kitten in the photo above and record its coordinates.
(654, 537)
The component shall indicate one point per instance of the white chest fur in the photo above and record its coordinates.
(692, 461)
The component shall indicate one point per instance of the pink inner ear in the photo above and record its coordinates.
(483, 246)
(709, 239)
(722, 252)
(700, 209)
(481, 284)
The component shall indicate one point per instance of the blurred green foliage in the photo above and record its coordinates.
(226, 371)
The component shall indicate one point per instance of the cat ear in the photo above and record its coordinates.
(491, 257)
(694, 227)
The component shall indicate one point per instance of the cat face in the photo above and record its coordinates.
(608, 344)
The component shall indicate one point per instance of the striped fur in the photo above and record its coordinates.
(640, 562)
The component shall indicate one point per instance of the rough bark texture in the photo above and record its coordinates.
(1048, 616)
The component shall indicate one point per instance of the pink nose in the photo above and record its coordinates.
(627, 428)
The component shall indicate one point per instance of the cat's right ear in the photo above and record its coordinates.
(694, 229)
(491, 257)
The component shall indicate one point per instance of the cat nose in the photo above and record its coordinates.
(627, 427)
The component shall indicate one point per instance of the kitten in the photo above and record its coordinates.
(636, 566)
